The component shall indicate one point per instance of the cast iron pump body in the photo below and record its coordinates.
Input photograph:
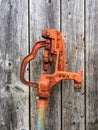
(53, 51)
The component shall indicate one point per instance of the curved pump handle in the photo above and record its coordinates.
(31, 56)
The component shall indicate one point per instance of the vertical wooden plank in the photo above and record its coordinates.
(73, 32)
(44, 14)
(92, 64)
(14, 113)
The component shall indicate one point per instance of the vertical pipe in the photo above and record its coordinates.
(41, 115)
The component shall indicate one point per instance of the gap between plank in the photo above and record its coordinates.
(85, 110)
(61, 81)
(29, 63)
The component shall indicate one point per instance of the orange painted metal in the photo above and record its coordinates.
(54, 54)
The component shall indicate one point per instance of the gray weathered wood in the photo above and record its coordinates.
(92, 65)
(73, 32)
(44, 14)
(14, 113)
(73, 18)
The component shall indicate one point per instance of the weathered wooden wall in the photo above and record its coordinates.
(73, 31)
(14, 101)
(21, 23)
(91, 43)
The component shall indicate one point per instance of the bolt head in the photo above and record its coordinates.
(47, 33)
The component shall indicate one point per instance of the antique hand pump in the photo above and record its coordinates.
(54, 53)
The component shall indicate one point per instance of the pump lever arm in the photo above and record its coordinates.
(31, 56)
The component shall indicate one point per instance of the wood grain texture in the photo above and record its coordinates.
(44, 14)
(92, 65)
(73, 32)
(14, 114)
(78, 21)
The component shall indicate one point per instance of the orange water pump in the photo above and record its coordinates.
(54, 53)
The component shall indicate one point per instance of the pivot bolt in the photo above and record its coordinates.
(47, 33)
